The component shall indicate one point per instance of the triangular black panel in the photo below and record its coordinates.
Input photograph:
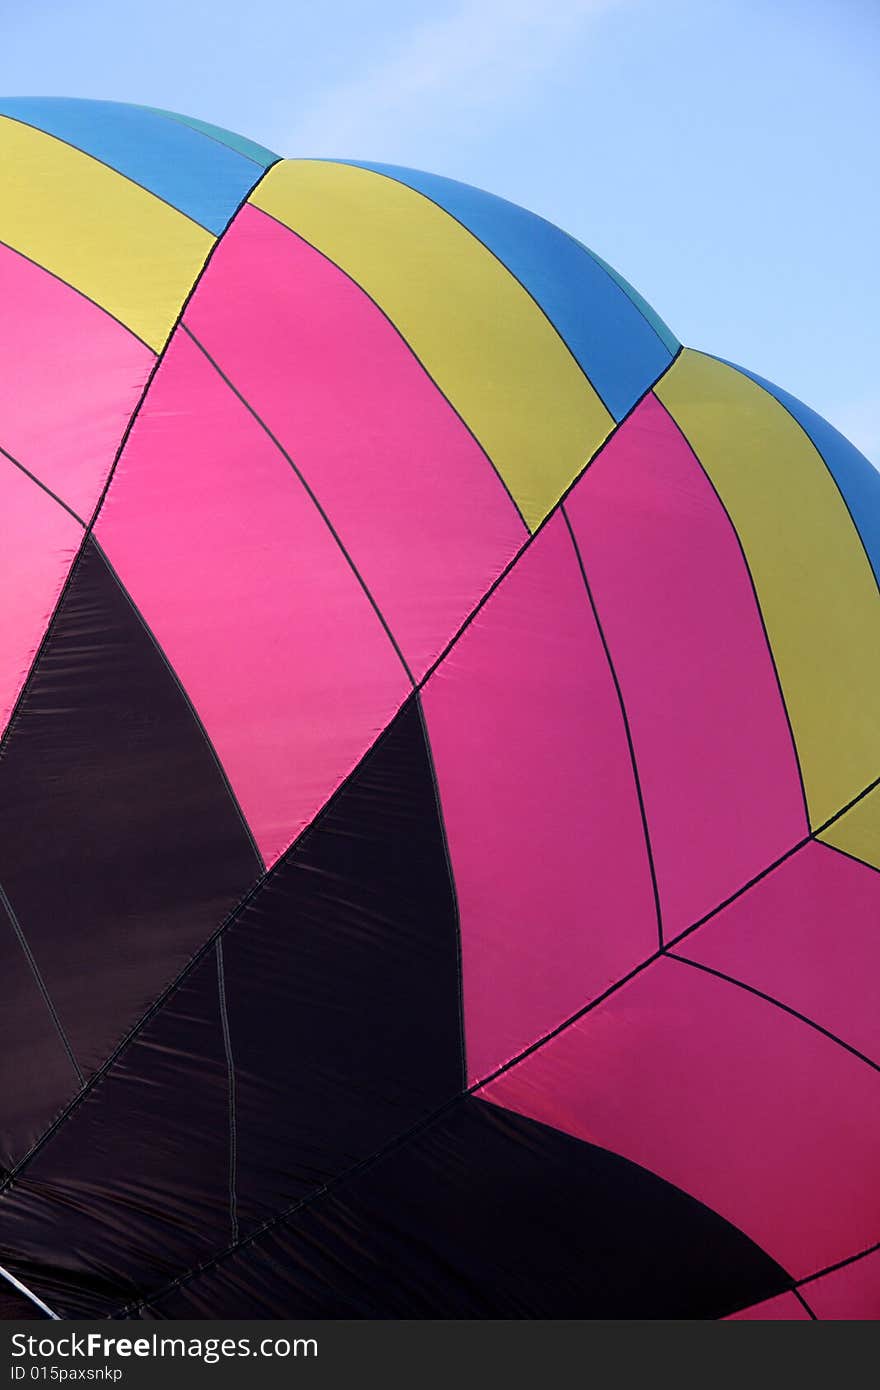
(485, 1214)
(136, 1185)
(121, 848)
(343, 982)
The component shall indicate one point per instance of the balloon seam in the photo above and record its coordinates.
(841, 1264)
(43, 487)
(759, 609)
(312, 497)
(778, 1003)
(82, 294)
(39, 981)
(230, 1073)
(626, 726)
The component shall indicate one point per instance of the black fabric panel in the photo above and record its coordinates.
(36, 1076)
(342, 983)
(121, 848)
(486, 1214)
(135, 1186)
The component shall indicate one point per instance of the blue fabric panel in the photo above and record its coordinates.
(206, 180)
(858, 480)
(664, 333)
(617, 347)
(249, 148)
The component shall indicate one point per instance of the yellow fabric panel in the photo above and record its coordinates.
(815, 586)
(476, 330)
(112, 240)
(858, 830)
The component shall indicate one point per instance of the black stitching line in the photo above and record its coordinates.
(313, 498)
(452, 884)
(429, 1119)
(745, 887)
(96, 159)
(789, 853)
(16, 251)
(159, 359)
(800, 1298)
(704, 470)
(532, 536)
(410, 349)
(769, 999)
(34, 479)
(39, 981)
(841, 1264)
(820, 1274)
(626, 725)
(667, 950)
(853, 801)
(402, 183)
(196, 717)
(810, 441)
(847, 854)
(230, 1073)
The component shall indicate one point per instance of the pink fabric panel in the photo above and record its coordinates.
(848, 1294)
(540, 806)
(758, 1116)
(714, 753)
(249, 596)
(39, 543)
(71, 377)
(416, 502)
(784, 1308)
(809, 935)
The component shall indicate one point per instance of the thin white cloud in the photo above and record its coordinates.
(467, 65)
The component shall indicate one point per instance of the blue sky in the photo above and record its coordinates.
(722, 154)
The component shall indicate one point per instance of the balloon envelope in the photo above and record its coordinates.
(439, 809)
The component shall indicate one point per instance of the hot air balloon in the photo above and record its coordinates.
(439, 807)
